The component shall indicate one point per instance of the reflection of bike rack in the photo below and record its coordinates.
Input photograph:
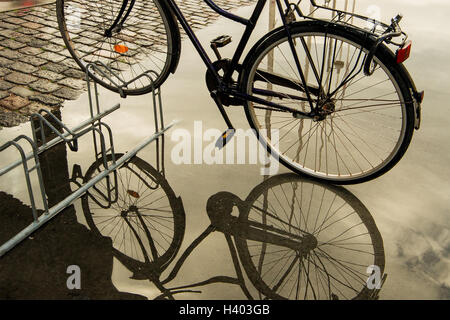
(102, 147)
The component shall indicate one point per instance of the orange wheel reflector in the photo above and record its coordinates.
(120, 48)
(134, 194)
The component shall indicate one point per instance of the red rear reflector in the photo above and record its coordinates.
(404, 52)
(120, 48)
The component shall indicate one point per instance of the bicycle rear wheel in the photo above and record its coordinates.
(348, 241)
(130, 37)
(364, 124)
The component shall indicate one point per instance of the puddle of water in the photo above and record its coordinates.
(400, 220)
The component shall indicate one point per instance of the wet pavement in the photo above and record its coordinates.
(37, 70)
(400, 219)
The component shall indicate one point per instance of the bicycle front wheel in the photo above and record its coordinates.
(362, 125)
(129, 37)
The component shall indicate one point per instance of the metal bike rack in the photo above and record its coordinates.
(102, 147)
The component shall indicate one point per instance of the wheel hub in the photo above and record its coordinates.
(309, 243)
(124, 213)
(325, 108)
(328, 107)
(109, 32)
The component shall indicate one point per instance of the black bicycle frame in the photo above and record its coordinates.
(224, 84)
(116, 23)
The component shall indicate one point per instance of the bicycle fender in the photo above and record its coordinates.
(175, 32)
(402, 71)
(417, 96)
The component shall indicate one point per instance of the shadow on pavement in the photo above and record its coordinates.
(37, 268)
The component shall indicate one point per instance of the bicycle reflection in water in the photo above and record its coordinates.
(294, 237)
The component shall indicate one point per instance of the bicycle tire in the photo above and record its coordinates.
(148, 40)
(359, 166)
(171, 222)
(259, 275)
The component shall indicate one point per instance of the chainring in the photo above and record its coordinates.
(221, 66)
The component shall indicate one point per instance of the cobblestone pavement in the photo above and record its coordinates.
(37, 71)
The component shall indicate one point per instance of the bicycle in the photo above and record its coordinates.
(316, 243)
(343, 103)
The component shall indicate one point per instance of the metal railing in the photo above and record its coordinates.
(102, 147)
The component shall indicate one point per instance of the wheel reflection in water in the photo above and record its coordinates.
(343, 241)
(144, 218)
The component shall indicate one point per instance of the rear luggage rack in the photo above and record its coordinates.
(390, 34)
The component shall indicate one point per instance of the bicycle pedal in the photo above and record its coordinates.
(221, 41)
(225, 138)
